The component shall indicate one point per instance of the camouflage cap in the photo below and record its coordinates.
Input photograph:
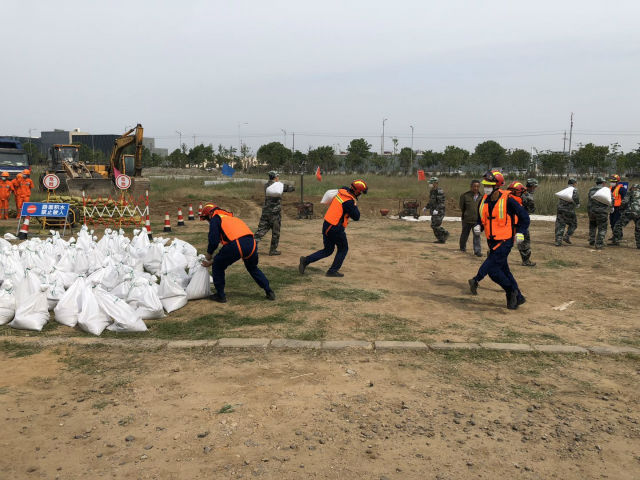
(635, 186)
(433, 180)
(572, 181)
(532, 182)
(273, 174)
(600, 180)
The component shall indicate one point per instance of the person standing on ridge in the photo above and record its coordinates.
(343, 207)
(271, 217)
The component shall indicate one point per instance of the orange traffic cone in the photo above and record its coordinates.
(167, 223)
(200, 210)
(24, 229)
(147, 225)
(180, 218)
(191, 217)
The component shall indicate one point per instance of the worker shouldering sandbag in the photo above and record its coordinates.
(343, 207)
(599, 205)
(630, 208)
(568, 201)
(502, 219)
(271, 217)
(6, 189)
(237, 243)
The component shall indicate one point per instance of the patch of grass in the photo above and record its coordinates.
(558, 263)
(101, 405)
(4, 390)
(524, 391)
(17, 350)
(82, 363)
(477, 385)
(387, 327)
(318, 332)
(128, 420)
(226, 409)
(353, 294)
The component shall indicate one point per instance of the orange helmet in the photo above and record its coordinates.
(207, 211)
(26, 171)
(517, 187)
(359, 186)
(493, 178)
(5, 174)
(614, 178)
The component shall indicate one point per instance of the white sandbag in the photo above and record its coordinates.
(186, 248)
(566, 194)
(328, 196)
(603, 196)
(32, 312)
(92, 318)
(7, 303)
(10, 236)
(54, 293)
(125, 318)
(171, 294)
(275, 189)
(122, 290)
(199, 284)
(153, 258)
(69, 306)
(146, 302)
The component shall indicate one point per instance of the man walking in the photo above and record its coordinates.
(437, 206)
(6, 188)
(618, 191)
(630, 208)
(598, 215)
(502, 218)
(343, 207)
(469, 204)
(529, 204)
(237, 243)
(566, 215)
(271, 217)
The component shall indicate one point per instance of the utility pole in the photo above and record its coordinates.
(564, 143)
(570, 134)
(411, 165)
(284, 132)
(194, 141)
(180, 144)
(382, 138)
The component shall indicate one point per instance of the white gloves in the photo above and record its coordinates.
(519, 238)
(477, 230)
(435, 212)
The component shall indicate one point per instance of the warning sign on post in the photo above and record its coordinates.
(51, 181)
(123, 182)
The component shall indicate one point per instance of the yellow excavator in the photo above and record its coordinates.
(99, 180)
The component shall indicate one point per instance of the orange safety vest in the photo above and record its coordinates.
(497, 223)
(335, 211)
(232, 228)
(23, 186)
(617, 198)
(5, 190)
(519, 200)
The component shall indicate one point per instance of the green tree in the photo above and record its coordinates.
(490, 153)
(518, 159)
(429, 159)
(454, 157)
(591, 158)
(553, 162)
(35, 157)
(323, 157)
(177, 159)
(378, 162)
(274, 155)
(199, 155)
(405, 157)
(358, 152)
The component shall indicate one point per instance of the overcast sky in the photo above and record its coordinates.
(458, 71)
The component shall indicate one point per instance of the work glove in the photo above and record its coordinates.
(519, 238)
(435, 212)
(477, 229)
(424, 210)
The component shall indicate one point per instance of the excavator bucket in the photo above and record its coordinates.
(93, 187)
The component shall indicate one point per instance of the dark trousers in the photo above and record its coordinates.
(614, 217)
(229, 254)
(332, 237)
(464, 236)
(497, 267)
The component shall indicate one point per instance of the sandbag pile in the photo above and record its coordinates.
(115, 283)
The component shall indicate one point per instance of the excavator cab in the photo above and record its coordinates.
(61, 154)
(127, 165)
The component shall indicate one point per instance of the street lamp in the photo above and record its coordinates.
(411, 165)
(239, 138)
(382, 138)
(180, 143)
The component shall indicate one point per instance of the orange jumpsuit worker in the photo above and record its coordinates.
(6, 189)
(22, 185)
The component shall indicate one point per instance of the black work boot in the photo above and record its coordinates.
(302, 265)
(512, 300)
(334, 273)
(473, 286)
(567, 239)
(528, 263)
(218, 298)
(270, 294)
(275, 252)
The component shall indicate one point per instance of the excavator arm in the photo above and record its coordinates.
(123, 142)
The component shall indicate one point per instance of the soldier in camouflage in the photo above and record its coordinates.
(272, 214)
(436, 205)
(598, 216)
(529, 204)
(566, 216)
(630, 208)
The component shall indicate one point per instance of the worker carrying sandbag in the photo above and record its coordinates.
(598, 208)
(343, 208)
(568, 201)
(271, 217)
(6, 189)
(630, 208)
(237, 243)
(22, 186)
(618, 191)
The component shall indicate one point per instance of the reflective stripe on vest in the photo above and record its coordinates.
(617, 198)
(497, 223)
(232, 228)
(335, 211)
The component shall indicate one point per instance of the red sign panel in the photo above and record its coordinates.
(123, 182)
(51, 181)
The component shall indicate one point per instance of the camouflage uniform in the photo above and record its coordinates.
(529, 204)
(271, 217)
(598, 218)
(630, 211)
(437, 204)
(567, 216)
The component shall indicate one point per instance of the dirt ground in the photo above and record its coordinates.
(94, 412)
